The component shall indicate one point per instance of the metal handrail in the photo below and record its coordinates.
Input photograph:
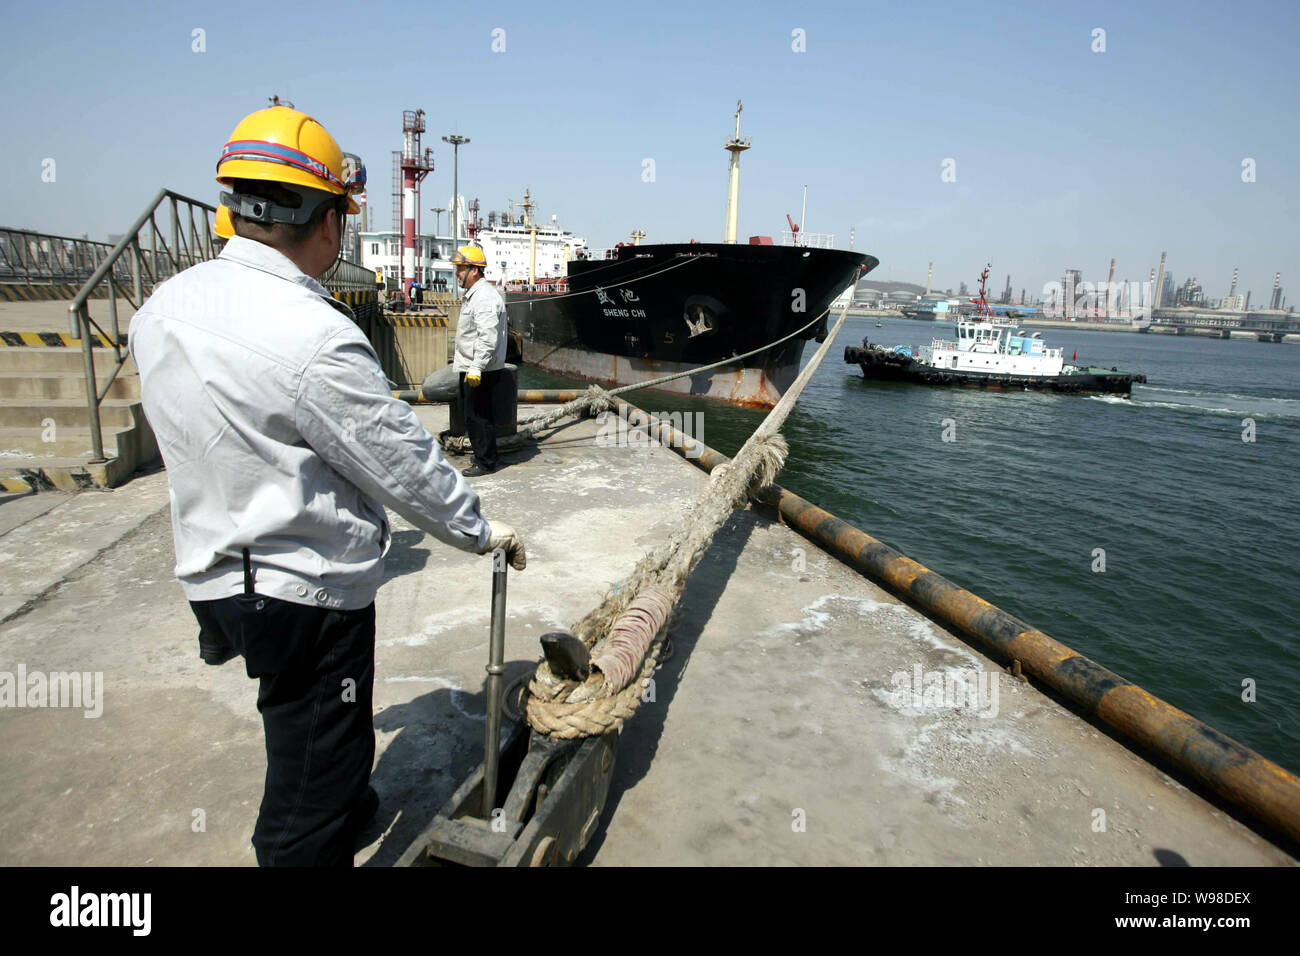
(146, 267)
(37, 258)
(345, 276)
(139, 262)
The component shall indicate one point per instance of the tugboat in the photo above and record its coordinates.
(989, 353)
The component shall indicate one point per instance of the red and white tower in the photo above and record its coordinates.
(410, 166)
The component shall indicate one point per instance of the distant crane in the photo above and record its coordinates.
(793, 228)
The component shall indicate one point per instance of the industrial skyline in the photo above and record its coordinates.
(1190, 292)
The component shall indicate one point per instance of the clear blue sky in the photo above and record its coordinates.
(1064, 157)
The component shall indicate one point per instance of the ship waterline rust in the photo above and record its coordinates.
(748, 387)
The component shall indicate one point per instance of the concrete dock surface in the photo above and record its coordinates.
(781, 729)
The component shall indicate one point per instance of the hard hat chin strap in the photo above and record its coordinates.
(262, 210)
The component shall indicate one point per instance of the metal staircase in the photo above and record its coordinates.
(70, 410)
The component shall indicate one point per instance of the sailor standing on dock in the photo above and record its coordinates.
(480, 356)
(283, 443)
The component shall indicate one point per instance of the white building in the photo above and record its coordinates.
(522, 251)
(382, 251)
(516, 249)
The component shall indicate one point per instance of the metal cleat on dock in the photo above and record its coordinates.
(535, 800)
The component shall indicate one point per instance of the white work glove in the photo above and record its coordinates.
(507, 539)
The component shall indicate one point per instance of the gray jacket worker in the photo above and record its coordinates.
(283, 444)
(480, 356)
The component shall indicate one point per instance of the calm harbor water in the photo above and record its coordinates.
(1200, 529)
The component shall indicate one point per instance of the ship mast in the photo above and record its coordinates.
(528, 206)
(735, 146)
(982, 310)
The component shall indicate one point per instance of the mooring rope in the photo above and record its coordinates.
(625, 632)
(622, 283)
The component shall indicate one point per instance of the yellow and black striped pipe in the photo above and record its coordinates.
(549, 396)
(1262, 788)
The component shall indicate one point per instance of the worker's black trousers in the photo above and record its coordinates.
(317, 670)
(476, 406)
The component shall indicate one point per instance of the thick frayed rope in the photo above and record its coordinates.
(630, 637)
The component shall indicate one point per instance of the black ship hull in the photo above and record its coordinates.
(657, 310)
(889, 366)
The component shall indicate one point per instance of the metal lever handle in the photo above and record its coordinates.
(496, 675)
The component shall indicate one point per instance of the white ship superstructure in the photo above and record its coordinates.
(993, 346)
(518, 250)
(523, 250)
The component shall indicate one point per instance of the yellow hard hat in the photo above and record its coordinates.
(282, 145)
(469, 256)
(223, 227)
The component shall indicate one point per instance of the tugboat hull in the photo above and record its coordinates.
(889, 366)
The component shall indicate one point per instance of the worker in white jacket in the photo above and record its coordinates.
(480, 356)
(283, 443)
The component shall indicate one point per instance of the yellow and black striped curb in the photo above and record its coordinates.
(407, 321)
(29, 480)
(52, 340)
(22, 292)
(355, 298)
